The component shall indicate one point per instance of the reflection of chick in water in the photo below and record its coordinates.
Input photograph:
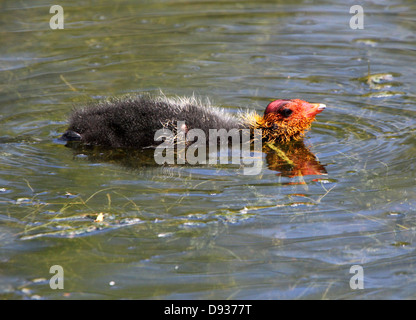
(292, 160)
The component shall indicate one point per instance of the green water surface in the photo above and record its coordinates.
(208, 231)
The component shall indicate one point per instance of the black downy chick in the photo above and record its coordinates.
(133, 121)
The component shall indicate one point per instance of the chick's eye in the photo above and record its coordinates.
(286, 112)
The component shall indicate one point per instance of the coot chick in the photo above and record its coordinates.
(133, 121)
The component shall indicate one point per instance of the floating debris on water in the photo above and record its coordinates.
(367, 42)
(379, 81)
(384, 94)
(165, 235)
(100, 217)
(60, 230)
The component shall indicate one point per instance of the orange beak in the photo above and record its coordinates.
(315, 109)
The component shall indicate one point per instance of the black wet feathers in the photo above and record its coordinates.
(133, 121)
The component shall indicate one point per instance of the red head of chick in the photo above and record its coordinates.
(285, 120)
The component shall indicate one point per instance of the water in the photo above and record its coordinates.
(191, 232)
